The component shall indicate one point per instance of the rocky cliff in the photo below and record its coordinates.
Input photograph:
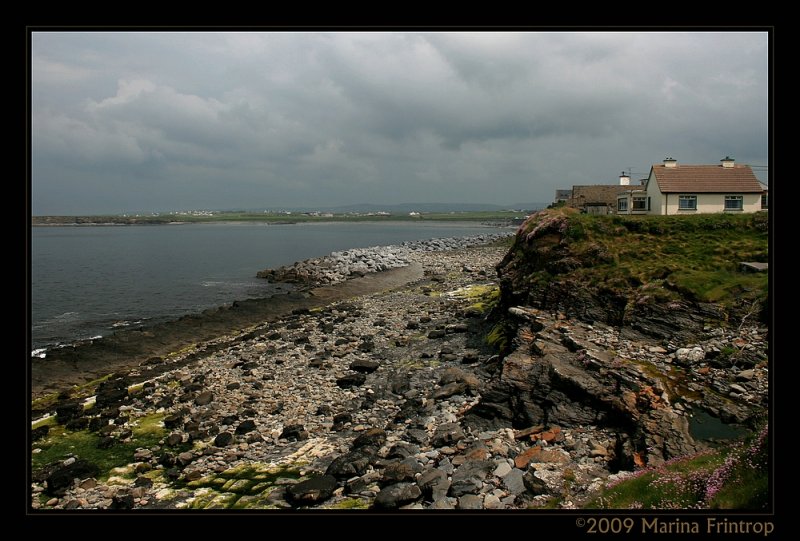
(599, 328)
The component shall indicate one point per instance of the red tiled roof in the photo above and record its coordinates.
(706, 179)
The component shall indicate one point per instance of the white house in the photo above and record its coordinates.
(690, 189)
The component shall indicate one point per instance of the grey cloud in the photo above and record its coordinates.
(128, 121)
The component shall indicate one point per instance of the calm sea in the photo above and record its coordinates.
(89, 281)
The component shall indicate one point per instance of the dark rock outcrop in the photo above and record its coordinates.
(62, 476)
(351, 380)
(311, 491)
(397, 495)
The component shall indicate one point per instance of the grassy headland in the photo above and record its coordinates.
(648, 258)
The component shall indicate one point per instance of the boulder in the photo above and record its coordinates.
(246, 426)
(62, 476)
(294, 432)
(451, 389)
(397, 495)
(364, 366)
(311, 491)
(514, 481)
(352, 464)
(469, 477)
(374, 437)
(447, 434)
(534, 485)
(351, 380)
(223, 439)
(111, 392)
(68, 410)
(204, 398)
(403, 470)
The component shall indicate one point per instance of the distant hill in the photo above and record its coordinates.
(421, 207)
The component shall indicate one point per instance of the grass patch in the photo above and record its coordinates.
(498, 337)
(237, 488)
(61, 443)
(659, 258)
(350, 503)
(735, 476)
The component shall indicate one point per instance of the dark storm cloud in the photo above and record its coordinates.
(138, 121)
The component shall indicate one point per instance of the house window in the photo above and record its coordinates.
(639, 203)
(764, 201)
(734, 202)
(622, 205)
(687, 202)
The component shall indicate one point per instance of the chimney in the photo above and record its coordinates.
(624, 180)
(727, 161)
(670, 162)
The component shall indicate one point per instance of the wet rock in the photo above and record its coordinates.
(204, 398)
(122, 501)
(294, 432)
(68, 410)
(173, 440)
(534, 484)
(417, 435)
(39, 433)
(229, 420)
(111, 392)
(433, 483)
(456, 328)
(396, 495)
(97, 423)
(142, 481)
(352, 464)
(311, 491)
(351, 380)
(468, 478)
(173, 421)
(447, 434)
(470, 501)
(374, 437)
(513, 481)
(442, 503)
(62, 476)
(403, 450)
(223, 439)
(451, 389)
(246, 426)
(341, 419)
(364, 366)
(324, 409)
(106, 442)
(437, 333)
(184, 459)
(400, 384)
(404, 470)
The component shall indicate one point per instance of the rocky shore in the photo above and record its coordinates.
(396, 399)
(341, 266)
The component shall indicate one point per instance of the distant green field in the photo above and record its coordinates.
(276, 218)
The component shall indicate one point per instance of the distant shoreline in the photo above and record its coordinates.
(502, 217)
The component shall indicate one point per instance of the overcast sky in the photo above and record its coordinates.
(168, 121)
